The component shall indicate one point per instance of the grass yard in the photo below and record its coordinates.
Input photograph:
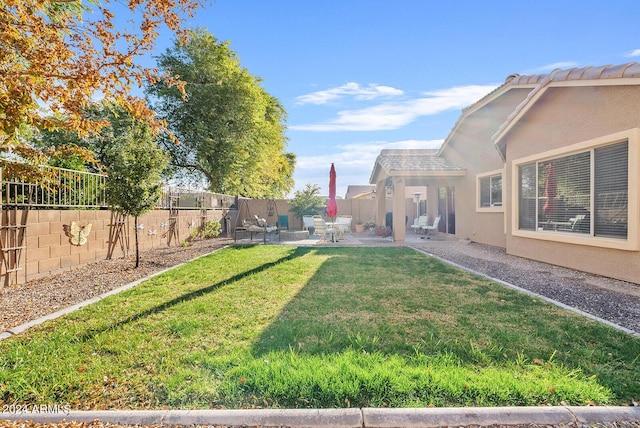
(276, 326)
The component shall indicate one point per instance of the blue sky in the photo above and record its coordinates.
(358, 76)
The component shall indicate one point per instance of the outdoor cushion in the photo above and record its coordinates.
(261, 221)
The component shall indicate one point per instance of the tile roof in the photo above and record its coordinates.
(514, 81)
(428, 162)
(358, 189)
(413, 162)
(595, 75)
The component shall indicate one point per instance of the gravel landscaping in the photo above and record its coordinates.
(32, 300)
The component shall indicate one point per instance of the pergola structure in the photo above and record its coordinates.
(397, 169)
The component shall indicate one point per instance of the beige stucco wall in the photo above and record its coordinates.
(565, 116)
(361, 210)
(471, 148)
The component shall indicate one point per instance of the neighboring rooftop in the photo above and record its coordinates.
(355, 191)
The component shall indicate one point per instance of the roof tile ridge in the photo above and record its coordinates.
(546, 80)
(627, 66)
(595, 73)
(578, 73)
(632, 69)
(617, 71)
(603, 70)
(563, 74)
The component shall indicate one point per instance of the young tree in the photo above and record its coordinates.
(307, 201)
(59, 54)
(231, 131)
(134, 163)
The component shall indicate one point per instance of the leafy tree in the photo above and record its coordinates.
(60, 53)
(134, 165)
(117, 123)
(307, 201)
(231, 131)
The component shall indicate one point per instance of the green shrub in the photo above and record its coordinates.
(211, 229)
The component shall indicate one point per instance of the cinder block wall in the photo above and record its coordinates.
(48, 243)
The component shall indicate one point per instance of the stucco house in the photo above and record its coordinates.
(546, 166)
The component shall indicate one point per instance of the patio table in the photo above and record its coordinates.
(340, 227)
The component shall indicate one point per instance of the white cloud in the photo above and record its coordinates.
(633, 53)
(354, 163)
(395, 115)
(350, 89)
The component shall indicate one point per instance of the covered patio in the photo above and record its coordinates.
(400, 174)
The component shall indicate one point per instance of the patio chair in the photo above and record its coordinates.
(577, 222)
(422, 220)
(307, 224)
(429, 230)
(322, 230)
(343, 224)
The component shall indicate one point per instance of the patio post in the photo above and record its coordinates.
(381, 204)
(399, 210)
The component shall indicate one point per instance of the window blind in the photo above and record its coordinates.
(585, 192)
(611, 190)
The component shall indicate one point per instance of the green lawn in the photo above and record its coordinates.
(275, 326)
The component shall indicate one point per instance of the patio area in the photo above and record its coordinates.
(368, 238)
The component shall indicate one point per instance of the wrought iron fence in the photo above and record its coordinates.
(66, 188)
(185, 198)
(57, 187)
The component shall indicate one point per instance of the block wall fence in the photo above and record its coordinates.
(48, 247)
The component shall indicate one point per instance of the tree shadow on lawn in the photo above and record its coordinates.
(92, 333)
(406, 305)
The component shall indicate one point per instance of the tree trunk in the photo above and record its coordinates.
(135, 222)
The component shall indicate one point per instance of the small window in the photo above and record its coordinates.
(490, 191)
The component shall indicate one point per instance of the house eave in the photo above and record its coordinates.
(621, 75)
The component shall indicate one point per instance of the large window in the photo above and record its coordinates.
(490, 190)
(583, 193)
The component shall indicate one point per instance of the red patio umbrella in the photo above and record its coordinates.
(332, 207)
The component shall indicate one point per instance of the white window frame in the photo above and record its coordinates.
(631, 243)
(492, 208)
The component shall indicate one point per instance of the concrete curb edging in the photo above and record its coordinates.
(19, 329)
(350, 418)
(338, 418)
(486, 416)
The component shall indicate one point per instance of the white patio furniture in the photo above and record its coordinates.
(429, 230)
(419, 222)
(343, 224)
(323, 230)
(307, 223)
